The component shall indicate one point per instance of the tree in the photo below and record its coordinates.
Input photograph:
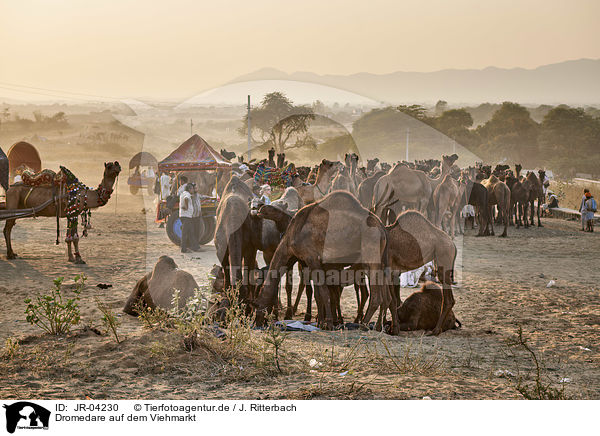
(277, 120)
(440, 107)
(454, 119)
(415, 110)
(570, 138)
(511, 133)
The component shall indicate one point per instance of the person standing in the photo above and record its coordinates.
(590, 208)
(197, 221)
(165, 186)
(582, 209)
(186, 212)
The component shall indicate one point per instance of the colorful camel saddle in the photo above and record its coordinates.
(275, 176)
(45, 178)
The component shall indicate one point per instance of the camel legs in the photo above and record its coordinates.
(289, 282)
(10, 254)
(445, 276)
(304, 284)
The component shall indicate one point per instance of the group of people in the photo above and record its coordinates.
(588, 208)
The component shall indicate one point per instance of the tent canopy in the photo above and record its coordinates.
(194, 154)
(23, 153)
(143, 159)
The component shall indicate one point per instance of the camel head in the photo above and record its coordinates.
(111, 170)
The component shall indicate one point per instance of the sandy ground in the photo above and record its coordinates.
(503, 286)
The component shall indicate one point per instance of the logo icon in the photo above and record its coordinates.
(26, 415)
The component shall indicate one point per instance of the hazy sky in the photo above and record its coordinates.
(177, 48)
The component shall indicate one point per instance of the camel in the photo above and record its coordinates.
(403, 186)
(290, 200)
(447, 198)
(365, 189)
(156, 288)
(499, 194)
(232, 220)
(536, 192)
(229, 155)
(327, 236)
(372, 165)
(20, 196)
(519, 196)
(478, 197)
(414, 241)
(343, 181)
(421, 310)
(313, 192)
(282, 218)
(240, 233)
(281, 163)
(271, 162)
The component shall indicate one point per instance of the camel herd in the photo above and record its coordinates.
(345, 225)
(342, 225)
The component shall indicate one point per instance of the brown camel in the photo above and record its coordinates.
(231, 234)
(421, 311)
(156, 288)
(499, 194)
(327, 236)
(282, 218)
(519, 195)
(20, 196)
(365, 189)
(446, 199)
(536, 192)
(313, 192)
(414, 241)
(343, 181)
(403, 186)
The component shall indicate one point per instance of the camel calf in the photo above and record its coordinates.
(422, 309)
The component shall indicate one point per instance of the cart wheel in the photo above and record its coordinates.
(210, 224)
(133, 189)
(173, 227)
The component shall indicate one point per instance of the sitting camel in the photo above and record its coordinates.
(156, 288)
(329, 235)
(414, 241)
(421, 311)
(20, 196)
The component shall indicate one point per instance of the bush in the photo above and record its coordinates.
(54, 313)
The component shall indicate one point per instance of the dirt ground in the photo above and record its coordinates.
(502, 287)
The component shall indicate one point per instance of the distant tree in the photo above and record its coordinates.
(454, 119)
(319, 107)
(440, 107)
(277, 120)
(511, 133)
(571, 138)
(415, 110)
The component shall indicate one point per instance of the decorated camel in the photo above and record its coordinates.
(403, 186)
(78, 200)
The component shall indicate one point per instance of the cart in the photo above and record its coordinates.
(193, 155)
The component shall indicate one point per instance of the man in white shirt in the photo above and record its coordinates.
(186, 213)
